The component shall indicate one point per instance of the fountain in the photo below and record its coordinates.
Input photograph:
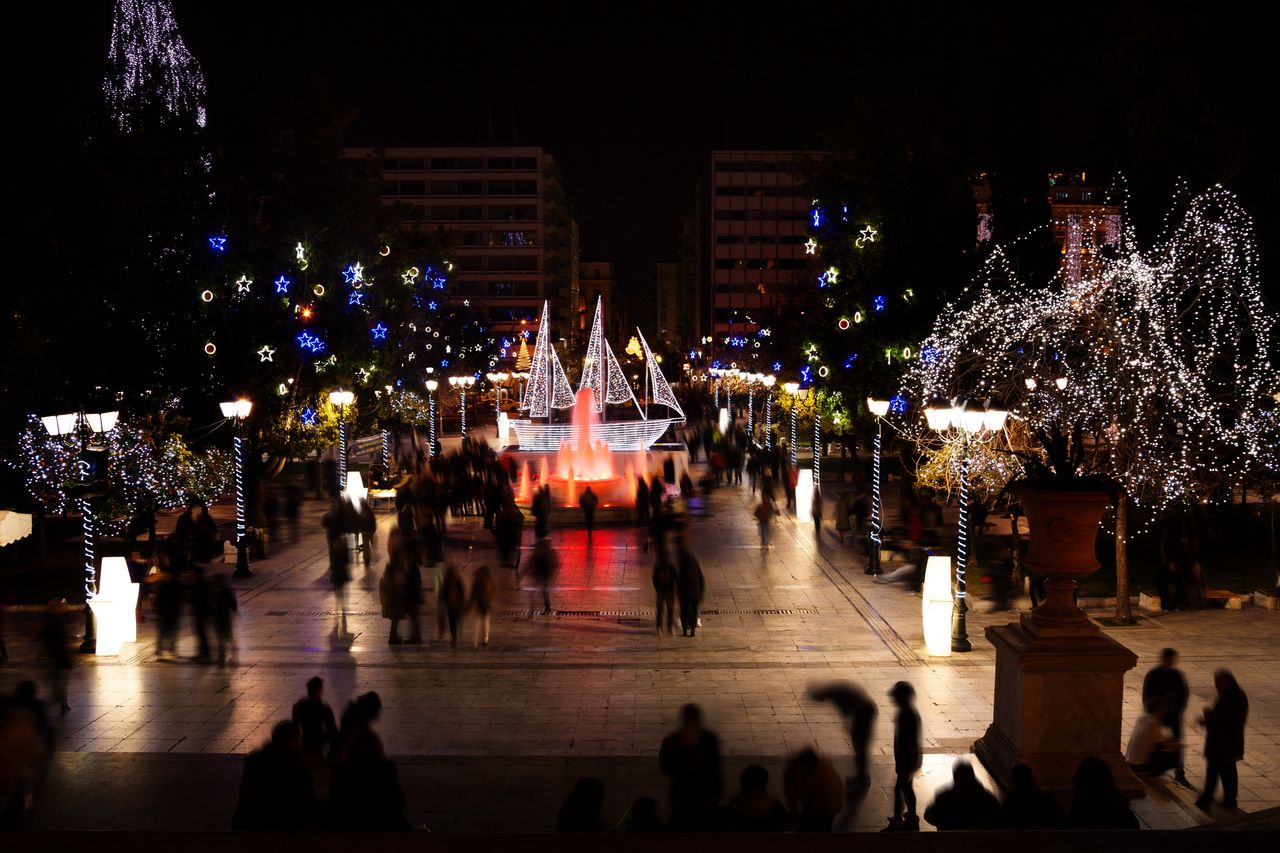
(584, 463)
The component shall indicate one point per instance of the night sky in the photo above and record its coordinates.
(631, 97)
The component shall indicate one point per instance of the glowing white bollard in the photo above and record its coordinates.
(504, 430)
(936, 609)
(355, 490)
(115, 607)
(724, 421)
(804, 495)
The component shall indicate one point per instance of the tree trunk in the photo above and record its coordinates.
(1015, 553)
(1124, 615)
(319, 478)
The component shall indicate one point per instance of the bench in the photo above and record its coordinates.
(1225, 598)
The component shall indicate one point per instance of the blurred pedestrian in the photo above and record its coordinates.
(199, 598)
(580, 812)
(966, 804)
(276, 792)
(224, 610)
(1150, 750)
(542, 568)
(588, 501)
(691, 585)
(53, 639)
(1168, 685)
(860, 711)
(391, 595)
(339, 569)
(453, 598)
(1028, 807)
(484, 591)
(542, 512)
(314, 719)
(168, 604)
(813, 790)
(1223, 740)
(642, 501)
(1096, 803)
(753, 808)
(907, 758)
(690, 757)
(664, 587)
(508, 529)
(764, 512)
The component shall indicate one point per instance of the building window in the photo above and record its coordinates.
(444, 187)
(470, 188)
(499, 162)
(470, 212)
(412, 164)
(525, 162)
(525, 188)
(470, 163)
(499, 187)
(442, 163)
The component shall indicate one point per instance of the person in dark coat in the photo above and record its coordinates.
(1096, 803)
(453, 598)
(580, 812)
(508, 528)
(588, 501)
(276, 793)
(339, 567)
(642, 501)
(966, 804)
(484, 593)
(753, 808)
(198, 595)
(224, 609)
(664, 586)
(907, 758)
(860, 712)
(315, 719)
(542, 512)
(1028, 807)
(365, 795)
(1224, 740)
(169, 608)
(813, 790)
(542, 568)
(690, 756)
(1166, 684)
(691, 586)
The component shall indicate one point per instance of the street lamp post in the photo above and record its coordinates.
(497, 380)
(81, 425)
(236, 411)
(792, 388)
(768, 410)
(386, 437)
(879, 408)
(969, 418)
(432, 385)
(341, 400)
(462, 383)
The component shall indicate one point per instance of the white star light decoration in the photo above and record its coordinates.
(811, 247)
(362, 375)
(243, 284)
(300, 253)
(410, 275)
(867, 235)
(265, 354)
(833, 275)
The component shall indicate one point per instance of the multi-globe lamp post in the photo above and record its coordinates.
(462, 383)
(432, 385)
(969, 419)
(81, 425)
(880, 409)
(236, 411)
(497, 380)
(341, 400)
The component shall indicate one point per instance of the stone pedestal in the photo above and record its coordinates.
(1058, 698)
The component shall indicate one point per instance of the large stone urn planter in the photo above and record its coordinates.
(1059, 680)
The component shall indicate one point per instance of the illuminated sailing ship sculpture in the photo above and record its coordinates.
(549, 389)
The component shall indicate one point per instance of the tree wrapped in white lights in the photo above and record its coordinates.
(1150, 372)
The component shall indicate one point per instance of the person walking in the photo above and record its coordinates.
(1166, 684)
(53, 639)
(860, 712)
(588, 502)
(764, 512)
(642, 501)
(542, 512)
(198, 595)
(966, 804)
(339, 571)
(542, 568)
(1223, 740)
(690, 757)
(817, 514)
(453, 597)
(169, 608)
(691, 585)
(813, 790)
(664, 587)
(484, 591)
(907, 759)
(224, 610)
(391, 594)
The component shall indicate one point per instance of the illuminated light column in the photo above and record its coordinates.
(817, 444)
(878, 408)
(236, 411)
(341, 400)
(792, 388)
(768, 410)
(462, 383)
(751, 409)
(432, 385)
(386, 451)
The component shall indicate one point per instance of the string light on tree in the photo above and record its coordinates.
(151, 72)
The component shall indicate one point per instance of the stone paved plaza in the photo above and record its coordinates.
(593, 689)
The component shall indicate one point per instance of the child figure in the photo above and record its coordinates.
(906, 759)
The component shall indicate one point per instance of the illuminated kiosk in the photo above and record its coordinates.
(590, 449)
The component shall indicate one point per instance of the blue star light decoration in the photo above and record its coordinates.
(356, 298)
(379, 332)
(929, 355)
(437, 283)
(806, 375)
(878, 303)
(310, 342)
(433, 305)
(444, 362)
(848, 362)
(815, 217)
(353, 274)
(898, 404)
(777, 366)
(218, 244)
(308, 417)
(282, 284)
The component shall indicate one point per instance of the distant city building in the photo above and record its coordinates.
(1083, 222)
(754, 228)
(666, 306)
(516, 238)
(597, 279)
